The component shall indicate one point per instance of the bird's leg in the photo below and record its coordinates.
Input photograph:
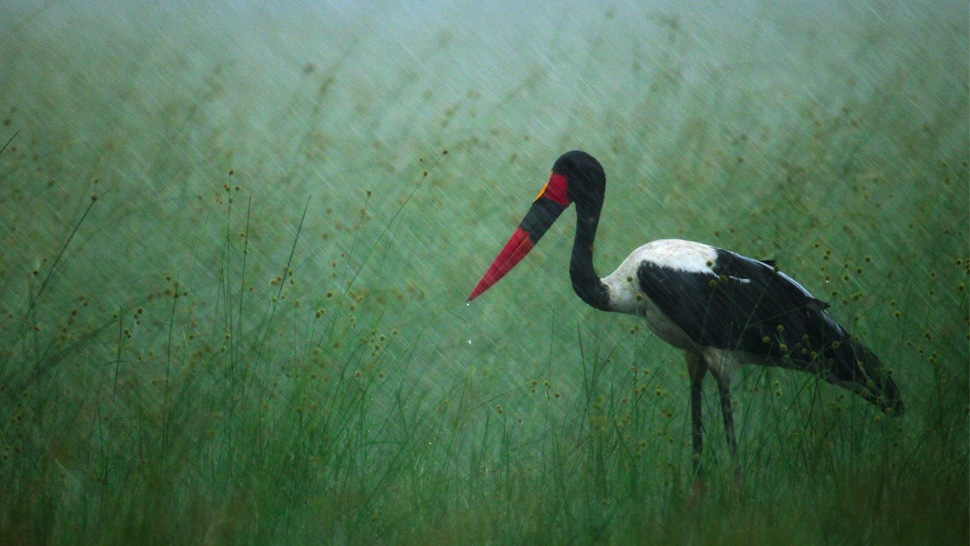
(696, 369)
(697, 428)
(724, 386)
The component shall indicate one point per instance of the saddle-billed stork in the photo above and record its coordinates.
(722, 309)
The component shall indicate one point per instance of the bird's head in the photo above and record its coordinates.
(583, 177)
(576, 177)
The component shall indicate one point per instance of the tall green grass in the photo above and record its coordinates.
(232, 281)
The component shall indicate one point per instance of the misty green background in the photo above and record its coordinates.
(322, 184)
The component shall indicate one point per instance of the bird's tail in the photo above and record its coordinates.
(851, 365)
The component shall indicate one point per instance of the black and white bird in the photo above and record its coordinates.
(722, 309)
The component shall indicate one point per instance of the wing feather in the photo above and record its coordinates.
(742, 304)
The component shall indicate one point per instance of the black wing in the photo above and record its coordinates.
(747, 305)
(742, 304)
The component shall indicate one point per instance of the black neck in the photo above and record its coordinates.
(586, 282)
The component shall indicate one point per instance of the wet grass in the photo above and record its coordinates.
(192, 351)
